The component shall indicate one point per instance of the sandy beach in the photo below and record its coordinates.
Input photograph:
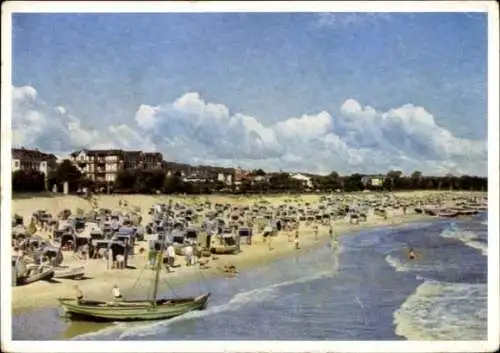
(99, 280)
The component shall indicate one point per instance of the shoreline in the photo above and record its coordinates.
(251, 257)
(40, 298)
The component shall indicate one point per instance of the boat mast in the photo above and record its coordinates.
(160, 257)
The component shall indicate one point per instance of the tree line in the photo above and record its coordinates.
(146, 181)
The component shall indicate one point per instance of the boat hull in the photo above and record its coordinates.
(69, 273)
(222, 250)
(131, 310)
(45, 275)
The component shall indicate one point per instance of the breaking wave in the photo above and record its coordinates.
(444, 311)
(470, 239)
(136, 330)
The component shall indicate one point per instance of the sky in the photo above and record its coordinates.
(309, 92)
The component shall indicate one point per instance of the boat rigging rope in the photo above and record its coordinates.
(171, 288)
(204, 280)
(139, 278)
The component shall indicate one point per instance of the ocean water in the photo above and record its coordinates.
(364, 289)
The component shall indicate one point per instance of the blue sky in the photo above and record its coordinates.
(273, 73)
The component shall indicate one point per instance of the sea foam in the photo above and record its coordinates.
(444, 311)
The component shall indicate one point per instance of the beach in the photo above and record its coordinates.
(42, 294)
(98, 280)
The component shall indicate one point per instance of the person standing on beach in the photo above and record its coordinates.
(333, 240)
(316, 230)
(170, 257)
(297, 245)
(188, 253)
(110, 259)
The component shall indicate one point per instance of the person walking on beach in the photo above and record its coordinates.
(316, 230)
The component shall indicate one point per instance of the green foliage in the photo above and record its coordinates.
(173, 184)
(154, 180)
(66, 172)
(28, 181)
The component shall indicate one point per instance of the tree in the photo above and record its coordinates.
(173, 184)
(330, 182)
(125, 180)
(416, 178)
(245, 186)
(66, 172)
(280, 182)
(149, 180)
(218, 185)
(353, 183)
(393, 176)
(260, 172)
(28, 181)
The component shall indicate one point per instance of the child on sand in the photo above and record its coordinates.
(115, 291)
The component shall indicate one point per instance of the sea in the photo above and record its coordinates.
(363, 287)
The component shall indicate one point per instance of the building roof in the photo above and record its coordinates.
(27, 154)
(110, 152)
(117, 152)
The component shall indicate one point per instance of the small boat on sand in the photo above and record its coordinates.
(69, 272)
(222, 249)
(38, 273)
(447, 213)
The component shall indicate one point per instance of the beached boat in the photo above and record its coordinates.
(133, 310)
(69, 272)
(223, 249)
(447, 213)
(40, 273)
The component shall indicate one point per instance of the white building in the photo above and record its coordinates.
(305, 179)
(25, 159)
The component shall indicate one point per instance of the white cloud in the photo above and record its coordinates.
(53, 129)
(305, 127)
(189, 129)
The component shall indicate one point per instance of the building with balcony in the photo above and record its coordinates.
(104, 165)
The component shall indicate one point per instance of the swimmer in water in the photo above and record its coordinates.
(411, 254)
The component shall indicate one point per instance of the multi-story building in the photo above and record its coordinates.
(104, 165)
(201, 173)
(305, 180)
(26, 159)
